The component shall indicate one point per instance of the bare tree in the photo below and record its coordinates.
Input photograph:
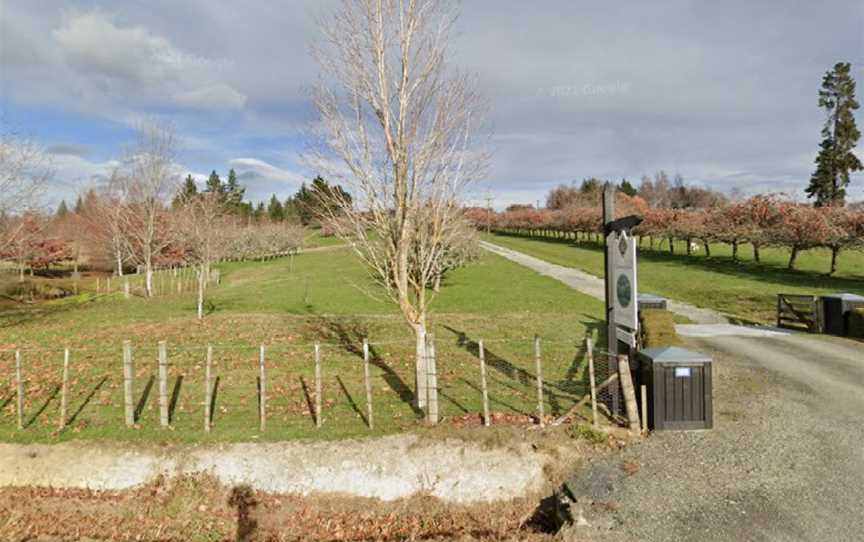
(199, 228)
(399, 128)
(146, 180)
(24, 171)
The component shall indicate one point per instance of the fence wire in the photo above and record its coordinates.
(96, 387)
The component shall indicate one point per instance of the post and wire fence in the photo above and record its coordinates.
(348, 387)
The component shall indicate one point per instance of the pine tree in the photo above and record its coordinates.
(62, 210)
(79, 206)
(275, 211)
(234, 193)
(214, 184)
(188, 191)
(627, 188)
(836, 159)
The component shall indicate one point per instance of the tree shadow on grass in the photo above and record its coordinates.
(553, 393)
(87, 400)
(350, 336)
(42, 408)
(214, 393)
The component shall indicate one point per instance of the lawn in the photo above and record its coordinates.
(287, 306)
(744, 289)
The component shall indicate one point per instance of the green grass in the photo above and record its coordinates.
(743, 289)
(324, 296)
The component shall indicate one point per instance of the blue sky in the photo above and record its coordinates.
(723, 93)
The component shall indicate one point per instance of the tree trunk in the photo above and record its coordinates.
(735, 250)
(671, 246)
(148, 279)
(689, 247)
(793, 257)
(420, 366)
(835, 252)
(437, 284)
(707, 249)
(756, 257)
(119, 264)
(20, 272)
(202, 277)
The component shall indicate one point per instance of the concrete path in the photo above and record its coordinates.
(593, 286)
(785, 460)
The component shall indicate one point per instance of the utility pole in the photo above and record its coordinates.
(489, 200)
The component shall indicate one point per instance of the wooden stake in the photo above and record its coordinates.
(19, 380)
(98, 291)
(64, 390)
(208, 389)
(431, 381)
(163, 384)
(126, 288)
(589, 345)
(629, 393)
(108, 286)
(128, 383)
(539, 370)
(262, 399)
(486, 420)
(368, 383)
(644, 390)
(317, 385)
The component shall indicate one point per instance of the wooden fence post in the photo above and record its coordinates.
(368, 383)
(208, 389)
(98, 290)
(629, 393)
(126, 293)
(64, 390)
(262, 384)
(486, 421)
(108, 285)
(19, 381)
(431, 381)
(589, 346)
(539, 369)
(128, 383)
(163, 384)
(317, 385)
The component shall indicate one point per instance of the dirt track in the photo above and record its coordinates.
(784, 462)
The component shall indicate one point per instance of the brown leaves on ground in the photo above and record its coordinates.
(199, 509)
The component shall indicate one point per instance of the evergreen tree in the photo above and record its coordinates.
(627, 188)
(320, 198)
(234, 193)
(275, 211)
(188, 191)
(214, 184)
(62, 210)
(79, 206)
(260, 212)
(836, 159)
(591, 185)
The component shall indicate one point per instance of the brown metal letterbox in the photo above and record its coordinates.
(679, 388)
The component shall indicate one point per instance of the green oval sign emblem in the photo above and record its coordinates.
(624, 290)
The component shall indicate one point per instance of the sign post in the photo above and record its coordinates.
(622, 311)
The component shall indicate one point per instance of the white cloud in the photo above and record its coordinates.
(254, 168)
(93, 44)
(219, 96)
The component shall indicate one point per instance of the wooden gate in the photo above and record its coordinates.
(798, 312)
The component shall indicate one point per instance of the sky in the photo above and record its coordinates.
(722, 93)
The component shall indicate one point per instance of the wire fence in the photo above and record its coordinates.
(287, 390)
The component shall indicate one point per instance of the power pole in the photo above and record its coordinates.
(489, 200)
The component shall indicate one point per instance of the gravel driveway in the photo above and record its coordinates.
(784, 462)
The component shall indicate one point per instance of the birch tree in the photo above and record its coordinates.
(399, 131)
(146, 181)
